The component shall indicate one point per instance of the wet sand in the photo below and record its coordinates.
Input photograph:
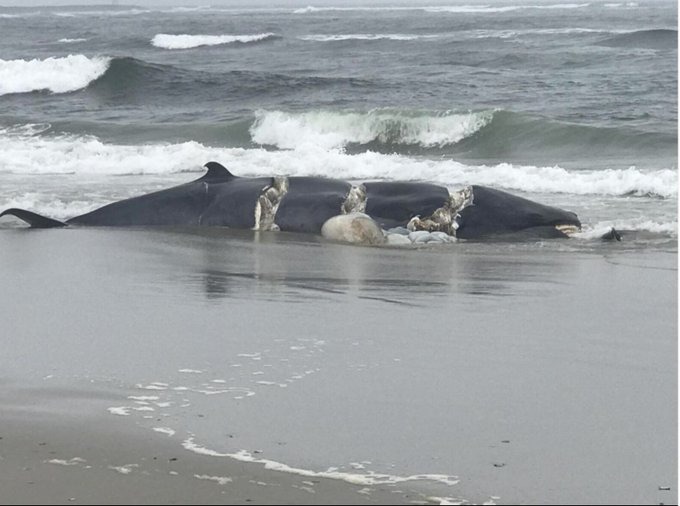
(86, 460)
(504, 373)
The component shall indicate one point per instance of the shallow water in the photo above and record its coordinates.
(509, 367)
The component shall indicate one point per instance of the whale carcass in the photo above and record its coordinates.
(371, 212)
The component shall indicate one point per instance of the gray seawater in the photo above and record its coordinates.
(572, 104)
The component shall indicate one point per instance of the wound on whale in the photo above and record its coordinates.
(369, 213)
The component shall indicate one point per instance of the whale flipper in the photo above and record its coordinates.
(33, 219)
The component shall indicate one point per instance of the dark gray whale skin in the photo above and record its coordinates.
(310, 202)
(497, 213)
(393, 204)
(220, 199)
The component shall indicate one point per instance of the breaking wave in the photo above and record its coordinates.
(31, 150)
(330, 130)
(58, 75)
(490, 134)
(76, 13)
(184, 41)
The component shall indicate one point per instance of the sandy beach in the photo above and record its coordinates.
(175, 366)
(93, 460)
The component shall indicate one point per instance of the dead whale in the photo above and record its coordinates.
(315, 205)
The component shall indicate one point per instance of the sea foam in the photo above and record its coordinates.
(368, 479)
(58, 75)
(184, 41)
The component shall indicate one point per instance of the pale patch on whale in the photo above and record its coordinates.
(353, 228)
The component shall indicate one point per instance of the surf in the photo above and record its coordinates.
(54, 74)
(187, 41)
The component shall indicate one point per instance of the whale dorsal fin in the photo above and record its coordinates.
(217, 171)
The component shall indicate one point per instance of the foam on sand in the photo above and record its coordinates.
(366, 479)
(75, 461)
(164, 430)
(220, 480)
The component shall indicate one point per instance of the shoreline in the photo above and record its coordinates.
(97, 460)
(530, 373)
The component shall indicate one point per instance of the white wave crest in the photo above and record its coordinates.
(184, 41)
(507, 34)
(332, 130)
(311, 9)
(71, 41)
(19, 15)
(475, 9)
(25, 152)
(364, 36)
(101, 13)
(631, 181)
(184, 10)
(58, 75)
(454, 9)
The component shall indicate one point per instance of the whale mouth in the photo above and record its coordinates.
(568, 229)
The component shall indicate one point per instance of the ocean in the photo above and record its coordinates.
(470, 372)
(571, 104)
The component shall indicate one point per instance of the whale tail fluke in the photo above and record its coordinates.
(33, 219)
(612, 235)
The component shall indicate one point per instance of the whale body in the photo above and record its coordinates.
(316, 205)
